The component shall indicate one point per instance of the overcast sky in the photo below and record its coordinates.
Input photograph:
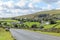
(11, 8)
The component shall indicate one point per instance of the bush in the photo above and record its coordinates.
(7, 28)
(34, 26)
(5, 23)
(16, 26)
(24, 26)
(52, 22)
(57, 30)
(41, 27)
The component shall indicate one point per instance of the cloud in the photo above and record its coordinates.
(11, 8)
(31, 5)
(21, 3)
(35, 1)
(1, 8)
(58, 3)
(9, 4)
(50, 1)
(48, 7)
(5, 0)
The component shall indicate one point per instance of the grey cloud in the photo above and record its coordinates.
(26, 8)
(50, 1)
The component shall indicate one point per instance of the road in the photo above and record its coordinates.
(20, 34)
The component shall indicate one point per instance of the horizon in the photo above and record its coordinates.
(12, 8)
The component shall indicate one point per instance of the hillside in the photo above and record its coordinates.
(52, 12)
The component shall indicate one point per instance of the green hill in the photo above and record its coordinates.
(35, 15)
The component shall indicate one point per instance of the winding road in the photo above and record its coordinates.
(20, 34)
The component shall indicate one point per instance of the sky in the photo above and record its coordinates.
(12, 8)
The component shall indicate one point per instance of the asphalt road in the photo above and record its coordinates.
(20, 34)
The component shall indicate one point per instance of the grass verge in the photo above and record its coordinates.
(47, 33)
(5, 35)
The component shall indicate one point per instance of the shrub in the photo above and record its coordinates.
(16, 26)
(41, 27)
(5, 23)
(52, 22)
(34, 26)
(24, 26)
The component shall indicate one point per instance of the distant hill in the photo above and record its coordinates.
(35, 15)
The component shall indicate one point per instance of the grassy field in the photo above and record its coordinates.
(58, 21)
(51, 25)
(46, 26)
(8, 20)
(32, 23)
(49, 33)
(57, 26)
(5, 35)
